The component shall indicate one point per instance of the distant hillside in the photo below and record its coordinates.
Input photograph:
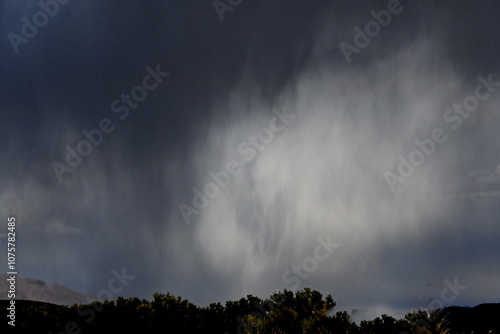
(483, 318)
(37, 290)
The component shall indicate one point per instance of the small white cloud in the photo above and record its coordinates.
(482, 195)
(58, 227)
(483, 184)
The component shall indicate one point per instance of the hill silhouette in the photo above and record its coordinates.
(38, 290)
(483, 318)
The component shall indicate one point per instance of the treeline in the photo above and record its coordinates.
(305, 311)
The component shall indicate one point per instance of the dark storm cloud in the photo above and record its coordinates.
(323, 175)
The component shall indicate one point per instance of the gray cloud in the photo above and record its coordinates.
(323, 175)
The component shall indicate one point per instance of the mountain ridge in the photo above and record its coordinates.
(37, 290)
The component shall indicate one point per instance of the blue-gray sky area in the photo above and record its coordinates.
(205, 146)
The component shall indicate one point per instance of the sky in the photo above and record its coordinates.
(215, 149)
